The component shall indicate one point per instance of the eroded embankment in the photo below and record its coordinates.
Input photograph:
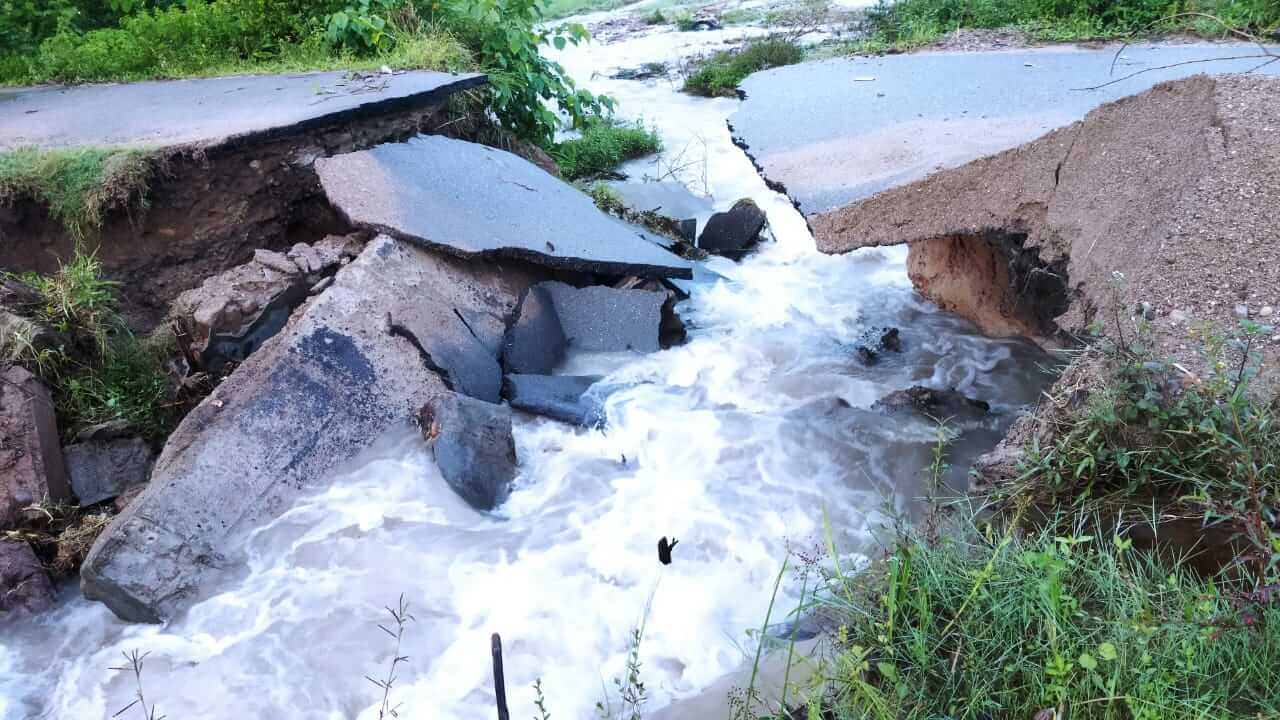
(1159, 204)
(1154, 217)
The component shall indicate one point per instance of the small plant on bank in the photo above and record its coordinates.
(655, 18)
(720, 74)
(603, 146)
(134, 661)
(400, 619)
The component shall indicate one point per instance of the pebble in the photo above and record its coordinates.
(1266, 311)
(1242, 311)
(1179, 316)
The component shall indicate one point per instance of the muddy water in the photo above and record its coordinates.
(736, 443)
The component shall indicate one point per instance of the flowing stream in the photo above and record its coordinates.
(736, 443)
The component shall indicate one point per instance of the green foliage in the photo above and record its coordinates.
(655, 18)
(362, 25)
(971, 626)
(79, 184)
(914, 21)
(506, 38)
(98, 371)
(603, 146)
(555, 9)
(1204, 447)
(721, 73)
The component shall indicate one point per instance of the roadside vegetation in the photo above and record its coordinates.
(720, 74)
(78, 184)
(910, 23)
(604, 145)
(1131, 570)
(78, 344)
(557, 9)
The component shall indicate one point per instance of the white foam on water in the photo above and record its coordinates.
(732, 443)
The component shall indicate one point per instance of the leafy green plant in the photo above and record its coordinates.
(77, 300)
(1074, 624)
(506, 38)
(720, 74)
(361, 25)
(604, 145)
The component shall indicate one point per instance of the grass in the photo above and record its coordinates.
(720, 74)
(97, 369)
(556, 9)
(79, 184)
(904, 24)
(603, 146)
(979, 626)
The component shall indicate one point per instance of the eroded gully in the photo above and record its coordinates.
(737, 443)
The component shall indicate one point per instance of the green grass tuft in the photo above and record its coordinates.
(603, 146)
(79, 184)
(973, 626)
(556, 9)
(720, 74)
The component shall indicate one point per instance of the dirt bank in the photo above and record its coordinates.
(1159, 206)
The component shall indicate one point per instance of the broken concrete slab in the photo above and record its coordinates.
(314, 396)
(667, 198)
(448, 346)
(24, 585)
(734, 232)
(473, 447)
(211, 112)
(470, 200)
(559, 397)
(605, 319)
(234, 312)
(105, 469)
(535, 342)
(31, 466)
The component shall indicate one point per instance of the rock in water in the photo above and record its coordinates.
(606, 319)
(103, 470)
(733, 233)
(24, 585)
(31, 465)
(472, 443)
(559, 397)
(940, 404)
(314, 396)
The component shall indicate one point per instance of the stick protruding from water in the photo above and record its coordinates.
(499, 683)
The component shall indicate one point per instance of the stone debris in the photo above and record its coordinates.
(103, 470)
(31, 465)
(472, 445)
(734, 232)
(24, 585)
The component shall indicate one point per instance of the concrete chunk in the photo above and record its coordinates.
(468, 200)
(535, 343)
(24, 585)
(559, 397)
(314, 396)
(101, 471)
(31, 465)
(606, 319)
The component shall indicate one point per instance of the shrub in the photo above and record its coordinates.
(603, 146)
(722, 72)
(1081, 625)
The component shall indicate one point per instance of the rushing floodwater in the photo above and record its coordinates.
(734, 443)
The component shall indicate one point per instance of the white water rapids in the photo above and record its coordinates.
(731, 443)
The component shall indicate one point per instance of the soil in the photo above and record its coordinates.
(1157, 208)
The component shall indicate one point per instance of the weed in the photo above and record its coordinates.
(556, 9)
(1077, 624)
(148, 712)
(607, 199)
(603, 146)
(400, 619)
(127, 383)
(540, 701)
(721, 73)
(79, 184)
(655, 18)
(76, 299)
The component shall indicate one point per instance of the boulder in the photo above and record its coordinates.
(734, 232)
(103, 469)
(535, 343)
(24, 585)
(470, 200)
(559, 397)
(313, 397)
(473, 447)
(932, 402)
(233, 313)
(31, 466)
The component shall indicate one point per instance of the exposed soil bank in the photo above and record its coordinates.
(211, 204)
(1161, 204)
